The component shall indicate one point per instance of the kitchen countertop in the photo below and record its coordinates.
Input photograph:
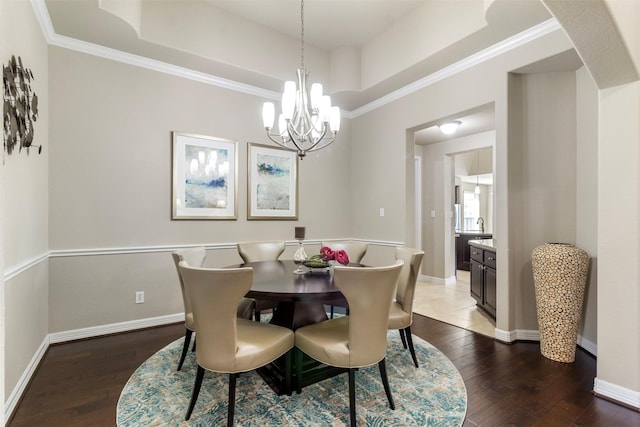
(484, 244)
(471, 233)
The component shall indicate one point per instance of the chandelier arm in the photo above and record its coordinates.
(319, 139)
(282, 144)
(329, 142)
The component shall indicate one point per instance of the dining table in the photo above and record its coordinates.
(301, 300)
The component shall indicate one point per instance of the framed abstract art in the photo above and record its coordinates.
(272, 183)
(205, 173)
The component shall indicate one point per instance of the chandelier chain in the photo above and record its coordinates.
(302, 34)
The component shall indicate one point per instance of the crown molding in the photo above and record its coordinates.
(520, 39)
(506, 45)
(54, 39)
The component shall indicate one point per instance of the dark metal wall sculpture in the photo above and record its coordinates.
(20, 107)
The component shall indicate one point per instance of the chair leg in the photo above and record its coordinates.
(288, 368)
(232, 399)
(299, 355)
(256, 315)
(352, 396)
(404, 340)
(385, 382)
(185, 346)
(331, 317)
(194, 344)
(196, 391)
(407, 332)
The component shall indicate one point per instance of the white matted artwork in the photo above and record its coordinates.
(272, 184)
(204, 177)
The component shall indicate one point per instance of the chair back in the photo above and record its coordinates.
(215, 294)
(355, 250)
(261, 251)
(194, 257)
(408, 276)
(369, 292)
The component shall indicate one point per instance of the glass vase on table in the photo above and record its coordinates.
(299, 257)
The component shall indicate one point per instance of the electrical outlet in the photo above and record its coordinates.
(139, 297)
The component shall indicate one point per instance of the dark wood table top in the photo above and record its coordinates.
(275, 280)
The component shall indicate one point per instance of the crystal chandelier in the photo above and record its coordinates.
(308, 122)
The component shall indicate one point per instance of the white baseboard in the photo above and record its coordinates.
(437, 280)
(13, 399)
(112, 328)
(76, 334)
(588, 346)
(517, 335)
(617, 393)
(534, 335)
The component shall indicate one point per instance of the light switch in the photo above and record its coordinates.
(433, 214)
(381, 211)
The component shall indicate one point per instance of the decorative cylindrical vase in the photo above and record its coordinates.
(559, 276)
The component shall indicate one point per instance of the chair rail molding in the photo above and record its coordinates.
(14, 271)
(10, 273)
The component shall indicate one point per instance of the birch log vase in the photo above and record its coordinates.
(559, 276)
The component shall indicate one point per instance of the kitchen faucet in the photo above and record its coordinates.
(481, 222)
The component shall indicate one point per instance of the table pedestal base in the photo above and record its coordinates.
(294, 315)
(312, 372)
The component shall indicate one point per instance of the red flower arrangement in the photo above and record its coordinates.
(329, 254)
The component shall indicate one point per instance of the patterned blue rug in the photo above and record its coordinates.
(432, 395)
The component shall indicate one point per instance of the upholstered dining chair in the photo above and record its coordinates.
(228, 344)
(359, 339)
(401, 314)
(261, 251)
(195, 257)
(356, 251)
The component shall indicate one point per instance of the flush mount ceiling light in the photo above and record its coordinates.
(449, 127)
(306, 117)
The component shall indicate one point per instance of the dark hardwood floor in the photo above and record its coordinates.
(78, 383)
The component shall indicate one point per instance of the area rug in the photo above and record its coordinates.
(431, 395)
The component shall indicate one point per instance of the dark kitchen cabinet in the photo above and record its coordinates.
(483, 279)
(463, 251)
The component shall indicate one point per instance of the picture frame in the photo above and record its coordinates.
(205, 176)
(272, 183)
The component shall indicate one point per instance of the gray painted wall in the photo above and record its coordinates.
(24, 212)
(111, 185)
(110, 128)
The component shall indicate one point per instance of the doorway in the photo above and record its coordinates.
(450, 162)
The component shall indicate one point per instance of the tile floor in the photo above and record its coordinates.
(452, 304)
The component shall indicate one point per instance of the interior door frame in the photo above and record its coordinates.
(417, 159)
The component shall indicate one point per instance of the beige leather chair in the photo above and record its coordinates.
(356, 251)
(195, 257)
(228, 344)
(401, 314)
(261, 251)
(357, 340)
